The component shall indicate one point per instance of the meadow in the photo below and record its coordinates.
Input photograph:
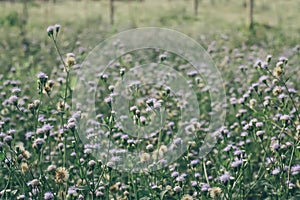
(53, 146)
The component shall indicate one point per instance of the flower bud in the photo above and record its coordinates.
(279, 64)
(122, 71)
(162, 57)
(269, 58)
(31, 107)
(43, 78)
(284, 60)
(57, 28)
(50, 30)
(36, 103)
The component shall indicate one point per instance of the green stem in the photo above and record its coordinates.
(205, 172)
(65, 97)
(289, 94)
(58, 51)
(289, 169)
(64, 105)
(134, 188)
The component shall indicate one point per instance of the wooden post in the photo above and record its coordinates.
(23, 26)
(25, 12)
(24, 17)
(196, 7)
(112, 10)
(251, 21)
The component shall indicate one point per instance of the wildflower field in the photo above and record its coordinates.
(97, 105)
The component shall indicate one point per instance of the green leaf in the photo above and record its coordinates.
(162, 194)
(2, 156)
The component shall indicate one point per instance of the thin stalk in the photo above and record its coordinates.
(205, 172)
(64, 98)
(289, 94)
(64, 105)
(58, 51)
(289, 169)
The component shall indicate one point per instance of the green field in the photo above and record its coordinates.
(48, 150)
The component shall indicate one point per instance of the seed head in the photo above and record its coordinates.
(24, 167)
(187, 197)
(26, 154)
(70, 61)
(277, 90)
(60, 105)
(61, 175)
(145, 157)
(215, 192)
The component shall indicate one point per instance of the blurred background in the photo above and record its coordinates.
(270, 25)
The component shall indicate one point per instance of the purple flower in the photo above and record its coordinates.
(259, 124)
(194, 183)
(50, 30)
(29, 135)
(57, 27)
(7, 138)
(290, 184)
(225, 177)
(11, 131)
(194, 162)
(177, 188)
(180, 178)
(15, 90)
(295, 169)
(34, 182)
(227, 148)
(72, 190)
(48, 195)
(270, 160)
(47, 127)
(236, 163)
(13, 100)
(275, 145)
(263, 79)
(205, 187)
(197, 174)
(275, 171)
(285, 117)
(42, 75)
(283, 59)
(292, 90)
(237, 152)
(233, 101)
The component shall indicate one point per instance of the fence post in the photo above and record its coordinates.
(112, 10)
(196, 7)
(251, 21)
